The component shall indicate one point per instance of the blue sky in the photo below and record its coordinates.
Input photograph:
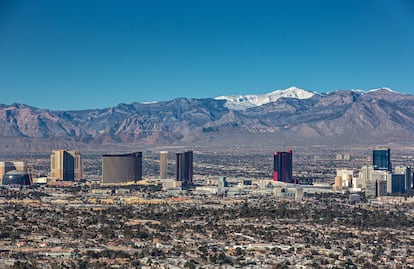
(76, 54)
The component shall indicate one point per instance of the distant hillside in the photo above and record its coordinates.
(285, 117)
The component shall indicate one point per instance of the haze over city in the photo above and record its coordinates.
(70, 55)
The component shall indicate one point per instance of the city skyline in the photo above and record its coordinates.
(77, 55)
(66, 165)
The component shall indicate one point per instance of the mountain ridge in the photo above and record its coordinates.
(342, 116)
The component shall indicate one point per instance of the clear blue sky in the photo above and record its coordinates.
(76, 54)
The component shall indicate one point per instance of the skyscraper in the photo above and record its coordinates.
(163, 164)
(184, 167)
(65, 165)
(407, 171)
(282, 166)
(381, 159)
(122, 167)
(178, 161)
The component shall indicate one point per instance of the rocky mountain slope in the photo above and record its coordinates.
(290, 116)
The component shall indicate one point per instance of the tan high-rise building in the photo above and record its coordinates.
(65, 165)
(9, 166)
(338, 183)
(163, 164)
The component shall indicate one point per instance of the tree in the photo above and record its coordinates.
(190, 264)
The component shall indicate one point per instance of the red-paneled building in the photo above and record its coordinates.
(282, 166)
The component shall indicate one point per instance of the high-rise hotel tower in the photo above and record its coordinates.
(65, 165)
(282, 166)
(184, 167)
(163, 164)
(120, 168)
(381, 159)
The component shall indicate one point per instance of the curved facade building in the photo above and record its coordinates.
(10, 166)
(16, 177)
(122, 167)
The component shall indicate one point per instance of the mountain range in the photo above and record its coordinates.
(283, 117)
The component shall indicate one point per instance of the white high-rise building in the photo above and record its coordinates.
(364, 176)
(347, 176)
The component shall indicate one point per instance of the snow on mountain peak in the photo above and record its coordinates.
(373, 90)
(242, 102)
(382, 88)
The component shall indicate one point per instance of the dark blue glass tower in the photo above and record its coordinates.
(184, 167)
(381, 159)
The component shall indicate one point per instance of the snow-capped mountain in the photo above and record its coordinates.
(383, 88)
(342, 116)
(242, 102)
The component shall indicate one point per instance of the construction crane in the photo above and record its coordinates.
(30, 169)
